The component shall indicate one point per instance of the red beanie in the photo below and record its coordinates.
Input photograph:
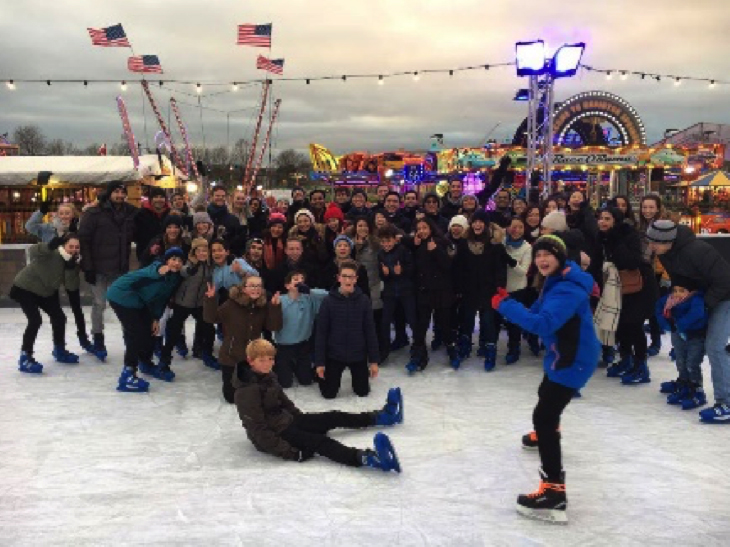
(333, 211)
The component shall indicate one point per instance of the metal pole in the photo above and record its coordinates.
(549, 134)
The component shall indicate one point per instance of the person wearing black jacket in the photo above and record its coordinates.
(358, 206)
(329, 274)
(226, 226)
(346, 337)
(480, 269)
(452, 201)
(294, 261)
(342, 198)
(430, 211)
(392, 211)
(171, 236)
(432, 257)
(621, 245)
(258, 218)
(317, 205)
(150, 218)
(581, 216)
(298, 202)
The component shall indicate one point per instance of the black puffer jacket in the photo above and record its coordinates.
(433, 278)
(698, 260)
(480, 268)
(106, 234)
(346, 329)
(396, 285)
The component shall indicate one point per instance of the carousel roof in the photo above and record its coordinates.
(717, 178)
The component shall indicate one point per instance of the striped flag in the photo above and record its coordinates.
(270, 65)
(113, 36)
(254, 35)
(144, 63)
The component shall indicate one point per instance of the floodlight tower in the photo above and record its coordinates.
(542, 72)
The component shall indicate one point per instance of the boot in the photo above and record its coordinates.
(617, 370)
(533, 343)
(163, 371)
(548, 502)
(465, 346)
(62, 356)
(695, 398)
(182, 347)
(128, 381)
(681, 392)
(608, 356)
(453, 354)
(490, 357)
(85, 343)
(529, 441)
(99, 347)
(654, 349)
(27, 364)
(638, 375)
(392, 412)
(383, 456)
(210, 361)
(146, 367)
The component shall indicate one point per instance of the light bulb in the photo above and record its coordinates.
(380, 80)
(678, 81)
(235, 87)
(416, 76)
(124, 86)
(624, 75)
(11, 84)
(609, 75)
(198, 89)
(712, 84)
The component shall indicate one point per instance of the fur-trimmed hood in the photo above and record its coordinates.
(240, 297)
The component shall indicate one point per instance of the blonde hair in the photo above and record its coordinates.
(260, 348)
(70, 206)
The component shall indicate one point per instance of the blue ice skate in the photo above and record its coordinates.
(617, 370)
(99, 347)
(454, 358)
(129, 382)
(639, 375)
(62, 356)
(392, 412)
(718, 414)
(383, 457)
(163, 371)
(210, 361)
(695, 399)
(27, 364)
(490, 357)
(146, 367)
(182, 348)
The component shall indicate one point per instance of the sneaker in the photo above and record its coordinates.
(718, 414)
(548, 503)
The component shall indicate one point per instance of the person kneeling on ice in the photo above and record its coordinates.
(276, 426)
(139, 299)
(562, 318)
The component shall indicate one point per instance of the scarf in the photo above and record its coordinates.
(273, 253)
(608, 310)
(673, 301)
(515, 243)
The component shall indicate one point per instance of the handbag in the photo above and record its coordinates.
(631, 281)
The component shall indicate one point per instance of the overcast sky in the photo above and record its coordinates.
(195, 40)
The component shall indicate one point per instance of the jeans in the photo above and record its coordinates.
(137, 334)
(689, 354)
(74, 299)
(487, 322)
(552, 400)
(98, 293)
(31, 304)
(718, 330)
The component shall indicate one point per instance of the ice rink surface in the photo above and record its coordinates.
(83, 464)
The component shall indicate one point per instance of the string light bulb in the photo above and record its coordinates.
(624, 75)
(86, 83)
(124, 86)
(380, 80)
(307, 81)
(11, 84)
(451, 72)
(48, 82)
(609, 75)
(416, 76)
(344, 78)
(199, 89)
(678, 81)
(235, 86)
(712, 84)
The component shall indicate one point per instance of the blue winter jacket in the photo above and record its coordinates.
(224, 277)
(689, 317)
(145, 288)
(562, 317)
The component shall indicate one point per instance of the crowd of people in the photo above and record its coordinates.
(333, 287)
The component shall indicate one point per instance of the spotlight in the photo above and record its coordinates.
(530, 57)
(380, 80)
(124, 86)
(199, 89)
(566, 60)
(522, 95)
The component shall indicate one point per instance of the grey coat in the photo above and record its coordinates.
(191, 292)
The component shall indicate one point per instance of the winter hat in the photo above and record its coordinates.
(177, 220)
(555, 221)
(459, 220)
(333, 211)
(173, 252)
(482, 215)
(307, 212)
(197, 243)
(109, 189)
(472, 196)
(552, 244)
(662, 231)
(201, 217)
(343, 237)
(685, 282)
(156, 191)
(276, 218)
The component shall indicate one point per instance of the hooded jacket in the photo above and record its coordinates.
(46, 231)
(145, 288)
(480, 267)
(243, 320)
(346, 329)
(46, 272)
(265, 411)
(700, 261)
(562, 318)
(106, 233)
(688, 317)
(191, 292)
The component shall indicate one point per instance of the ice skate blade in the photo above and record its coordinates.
(553, 516)
(126, 389)
(529, 448)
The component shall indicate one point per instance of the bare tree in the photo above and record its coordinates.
(60, 147)
(289, 162)
(30, 139)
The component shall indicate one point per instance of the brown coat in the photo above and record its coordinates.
(265, 411)
(242, 320)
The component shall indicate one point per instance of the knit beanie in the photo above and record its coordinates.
(307, 212)
(197, 243)
(686, 283)
(177, 220)
(552, 244)
(333, 211)
(482, 215)
(201, 217)
(555, 221)
(459, 220)
(276, 218)
(662, 231)
(156, 191)
(173, 252)
(343, 237)
(110, 187)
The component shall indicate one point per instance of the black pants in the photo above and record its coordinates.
(655, 330)
(227, 377)
(74, 299)
(391, 305)
(441, 321)
(552, 400)
(136, 332)
(32, 304)
(399, 321)
(630, 336)
(329, 386)
(204, 332)
(309, 432)
(294, 360)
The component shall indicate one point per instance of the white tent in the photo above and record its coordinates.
(23, 170)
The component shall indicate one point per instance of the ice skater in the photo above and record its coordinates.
(562, 318)
(276, 426)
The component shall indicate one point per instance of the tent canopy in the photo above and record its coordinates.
(717, 178)
(92, 170)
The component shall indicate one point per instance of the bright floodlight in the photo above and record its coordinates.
(567, 60)
(530, 57)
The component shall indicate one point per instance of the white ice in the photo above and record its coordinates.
(85, 465)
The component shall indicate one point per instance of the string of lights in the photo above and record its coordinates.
(622, 74)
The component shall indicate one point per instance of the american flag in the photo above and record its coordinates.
(109, 37)
(144, 63)
(254, 35)
(271, 65)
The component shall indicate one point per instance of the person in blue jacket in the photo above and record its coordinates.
(139, 299)
(684, 314)
(562, 318)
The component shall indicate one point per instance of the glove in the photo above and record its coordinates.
(511, 262)
(44, 207)
(55, 243)
(500, 295)
(90, 277)
(303, 289)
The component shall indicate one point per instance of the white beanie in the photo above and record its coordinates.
(459, 220)
(307, 212)
(555, 221)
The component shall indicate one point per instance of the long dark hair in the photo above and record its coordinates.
(629, 214)
(643, 223)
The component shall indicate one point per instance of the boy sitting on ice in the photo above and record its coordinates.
(276, 426)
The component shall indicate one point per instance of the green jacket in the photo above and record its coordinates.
(46, 272)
